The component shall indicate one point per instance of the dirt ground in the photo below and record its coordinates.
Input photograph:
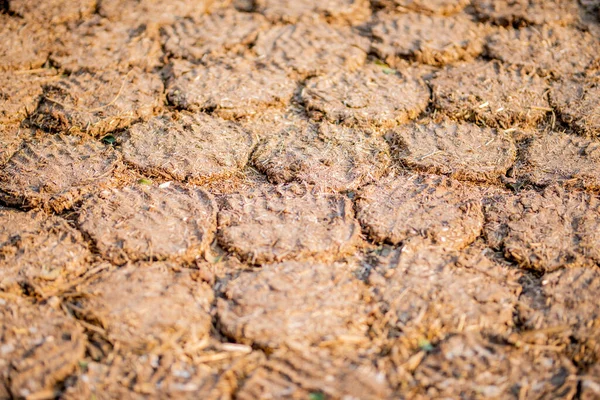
(316, 199)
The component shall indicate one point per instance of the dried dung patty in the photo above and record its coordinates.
(546, 50)
(556, 157)
(370, 96)
(56, 171)
(545, 231)
(150, 223)
(11, 136)
(20, 91)
(39, 251)
(310, 49)
(428, 294)
(53, 12)
(147, 306)
(527, 12)
(578, 104)
(136, 12)
(488, 93)
(331, 157)
(211, 34)
(232, 88)
(97, 45)
(212, 374)
(40, 348)
(423, 208)
(440, 7)
(349, 11)
(98, 103)
(301, 373)
(279, 224)
(460, 150)
(24, 45)
(295, 302)
(195, 148)
(470, 365)
(428, 39)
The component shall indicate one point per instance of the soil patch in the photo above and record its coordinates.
(428, 39)
(420, 208)
(282, 223)
(490, 94)
(186, 147)
(331, 157)
(98, 104)
(295, 302)
(150, 223)
(371, 96)
(460, 150)
(56, 171)
(232, 89)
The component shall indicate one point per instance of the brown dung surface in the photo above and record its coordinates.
(428, 39)
(98, 104)
(287, 223)
(545, 231)
(488, 93)
(331, 157)
(186, 147)
(56, 171)
(420, 208)
(371, 96)
(311, 200)
(231, 89)
(460, 150)
(150, 223)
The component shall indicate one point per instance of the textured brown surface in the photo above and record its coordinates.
(441, 7)
(40, 348)
(11, 137)
(279, 224)
(233, 88)
(23, 45)
(192, 148)
(56, 171)
(142, 307)
(349, 11)
(39, 251)
(97, 45)
(546, 50)
(98, 103)
(488, 93)
(150, 223)
(460, 150)
(433, 40)
(20, 91)
(328, 156)
(211, 34)
(527, 12)
(370, 96)
(420, 208)
(151, 11)
(556, 157)
(295, 302)
(545, 231)
(473, 366)
(578, 104)
(53, 11)
(309, 49)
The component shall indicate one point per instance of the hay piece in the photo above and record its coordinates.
(150, 223)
